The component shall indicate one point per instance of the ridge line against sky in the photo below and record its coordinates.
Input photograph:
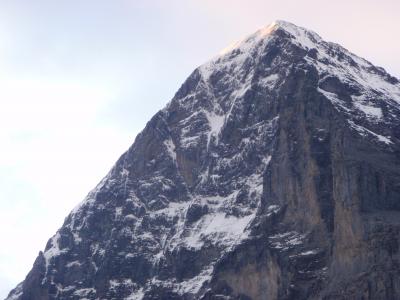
(79, 80)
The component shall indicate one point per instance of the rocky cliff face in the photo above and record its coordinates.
(274, 173)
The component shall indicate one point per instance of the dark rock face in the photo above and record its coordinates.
(274, 173)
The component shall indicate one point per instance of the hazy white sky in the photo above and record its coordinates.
(79, 79)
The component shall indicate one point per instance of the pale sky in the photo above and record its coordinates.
(79, 79)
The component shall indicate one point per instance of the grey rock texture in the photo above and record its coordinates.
(274, 173)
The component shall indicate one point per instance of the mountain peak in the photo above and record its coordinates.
(285, 25)
(286, 45)
(277, 159)
(303, 36)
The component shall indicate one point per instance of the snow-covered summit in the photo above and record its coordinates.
(302, 37)
(305, 37)
(374, 96)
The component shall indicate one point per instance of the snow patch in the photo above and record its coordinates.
(169, 144)
(364, 132)
(334, 99)
(173, 209)
(273, 209)
(218, 228)
(136, 295)
(194, 284)
(54, 250)
(73, 263)
(189, 141)
(84, 292)
(370, 111)
(304, 37)
(215, 123)
(118, 212)
(124, 172)
(269, 81)
(77, 238)
(307, 253)
(286, 240)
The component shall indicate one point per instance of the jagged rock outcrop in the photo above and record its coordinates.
(274, 173)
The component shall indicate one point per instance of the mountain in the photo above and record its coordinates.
(273, 173)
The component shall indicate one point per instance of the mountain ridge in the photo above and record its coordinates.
(273, 172)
